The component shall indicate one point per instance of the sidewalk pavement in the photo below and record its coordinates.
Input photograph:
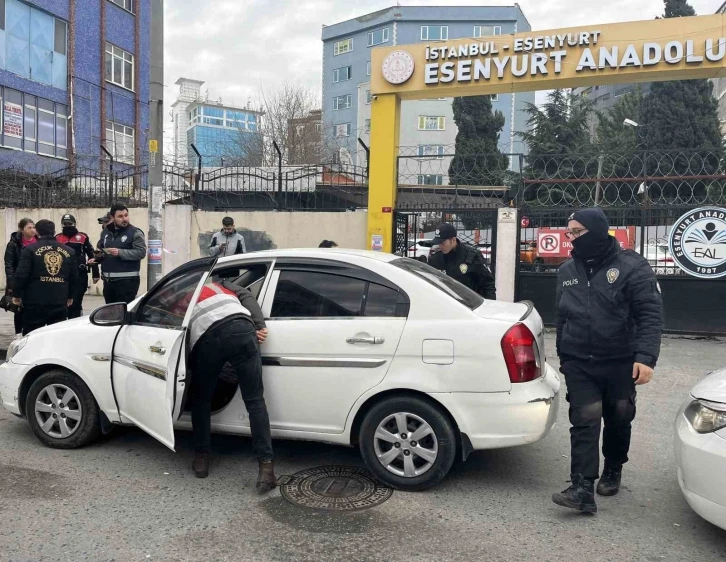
(7, 330)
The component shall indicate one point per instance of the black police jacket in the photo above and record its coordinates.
(47, 274)
(467, 266)
(615, 312)
(80, 243)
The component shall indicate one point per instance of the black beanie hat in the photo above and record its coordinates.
(592, 219)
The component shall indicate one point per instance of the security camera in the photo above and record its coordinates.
(374, 97)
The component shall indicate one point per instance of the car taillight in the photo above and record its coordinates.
(520, 354)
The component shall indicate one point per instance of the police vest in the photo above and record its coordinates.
(114, 266)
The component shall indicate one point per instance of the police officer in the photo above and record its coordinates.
(462, 262)
(609, 326)
(81, 245)
(122, 247)
(46, 280)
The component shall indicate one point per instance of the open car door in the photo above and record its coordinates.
(148, 369)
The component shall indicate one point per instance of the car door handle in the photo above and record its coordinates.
(370, 340)
(157, 349)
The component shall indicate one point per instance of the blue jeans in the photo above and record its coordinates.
(235, 342)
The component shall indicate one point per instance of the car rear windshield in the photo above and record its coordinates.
(441, 281)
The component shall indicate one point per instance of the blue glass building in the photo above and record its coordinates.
(74, 75)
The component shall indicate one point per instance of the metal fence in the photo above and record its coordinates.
(76, 187)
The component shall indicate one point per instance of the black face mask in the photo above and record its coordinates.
(70, 231)
(590, 247)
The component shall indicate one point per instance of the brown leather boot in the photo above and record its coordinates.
(266, 480)
(200, 466)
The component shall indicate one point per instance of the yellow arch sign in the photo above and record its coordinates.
(642, 51)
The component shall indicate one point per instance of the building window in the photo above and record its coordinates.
(487, 30)
(342, 130)
(318, 127)
(240, 120)
(368, 97)
(127, 5)
(434, 32)
(33, 124)
(377, 37)
(368, 68)
(119, 67)
(431, 179)
(120, 141)
(33, 44)
(212, 116)
(342, 102)
(431, 150)
(344, 46)
(426, 123)
(342, 74)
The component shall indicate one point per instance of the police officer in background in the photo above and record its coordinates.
(122, 247)
(462, 262)
(81, 245)
(46, 280)
(609, 326)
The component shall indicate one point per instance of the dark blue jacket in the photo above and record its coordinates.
(612, 311)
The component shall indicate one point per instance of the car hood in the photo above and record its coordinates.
(712, 387)
(62, 326)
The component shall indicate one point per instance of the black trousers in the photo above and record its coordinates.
(76, 309)
(235, 342)
(599, 391)
(37, 316)
(121, 290)
(18, 321)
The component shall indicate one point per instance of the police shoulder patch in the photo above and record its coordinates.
(463, 268)
(613, 274)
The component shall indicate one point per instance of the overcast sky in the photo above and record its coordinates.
(237, 46)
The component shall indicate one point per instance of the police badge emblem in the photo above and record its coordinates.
(613, 275)
(53, 262)
(463, 268)
(124, 238)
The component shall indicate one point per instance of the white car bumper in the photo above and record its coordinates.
(701, 460)
(493, 420)
(10, 377)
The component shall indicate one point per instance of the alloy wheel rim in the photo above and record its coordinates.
(405, 444)
(58, 411)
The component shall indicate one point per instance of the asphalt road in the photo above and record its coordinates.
(128, 498)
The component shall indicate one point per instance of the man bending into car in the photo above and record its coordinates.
(227, 325)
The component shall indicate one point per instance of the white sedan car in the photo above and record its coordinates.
(364, 349)
(700, 443)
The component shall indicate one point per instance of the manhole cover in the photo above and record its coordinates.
(334, 488)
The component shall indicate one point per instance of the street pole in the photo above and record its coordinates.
(156, 149)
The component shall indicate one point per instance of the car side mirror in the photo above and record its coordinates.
(109, 315)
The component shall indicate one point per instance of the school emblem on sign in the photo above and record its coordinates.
(697, 242)
(613, 274)
(53, 262)
(463, 268)
(124, 238)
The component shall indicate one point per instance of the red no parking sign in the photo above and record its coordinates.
(549, 243)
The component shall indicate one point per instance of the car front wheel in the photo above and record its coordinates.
(408, 443)
(62, 411)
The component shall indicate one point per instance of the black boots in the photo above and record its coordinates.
(200, 466)
(579, 496)
(610, 480)
(266, 480)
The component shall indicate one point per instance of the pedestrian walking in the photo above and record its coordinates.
(227, 242)
(46, 280)
(609, 326)
(122, 247)
(81, 244)
(24, 237)
(327, 244)
(462, 262)
(227, 325)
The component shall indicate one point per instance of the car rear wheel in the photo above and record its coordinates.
(62, 411)
(408, 443)
(422, 259)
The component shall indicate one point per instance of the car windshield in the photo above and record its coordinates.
(442, 282)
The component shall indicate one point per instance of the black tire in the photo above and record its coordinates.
(422, 259)
(87, 429)
(434, 416)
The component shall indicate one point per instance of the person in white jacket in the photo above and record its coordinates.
(227, 242)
